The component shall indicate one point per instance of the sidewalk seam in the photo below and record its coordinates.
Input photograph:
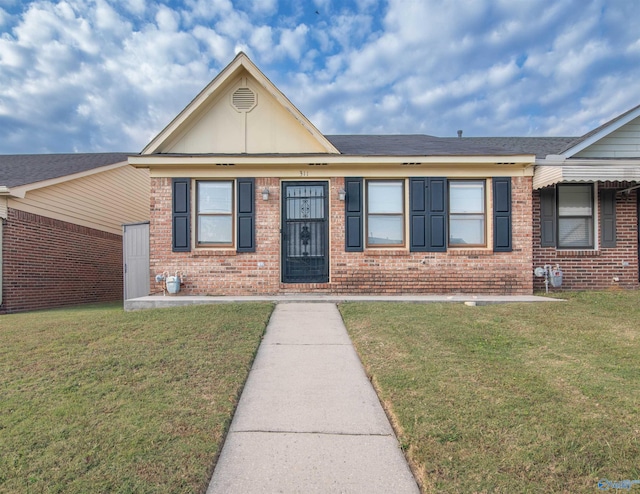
(355, 434)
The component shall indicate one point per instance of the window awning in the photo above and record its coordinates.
(550, 173)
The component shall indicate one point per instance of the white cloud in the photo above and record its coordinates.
(4, 17)
(262, 39)
(167, 19)
(634, 47)
(354, 116)
(219, 47)
(109, 74)
(136, 7)
(207, 9)
(293, 41)
(264, 6)
(106, 19)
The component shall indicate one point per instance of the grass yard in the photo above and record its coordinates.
(509, 398)
(95, 399)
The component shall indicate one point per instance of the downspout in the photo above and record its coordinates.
(3, 217)
(1, 235)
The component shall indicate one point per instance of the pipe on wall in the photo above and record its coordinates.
(1, 250)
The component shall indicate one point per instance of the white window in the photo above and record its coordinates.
(385, 213)
(467, 213)
(214, 213)
(575, 216)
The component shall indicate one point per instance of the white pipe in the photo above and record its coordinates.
(1, 235)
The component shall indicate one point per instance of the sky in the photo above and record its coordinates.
(109, 75)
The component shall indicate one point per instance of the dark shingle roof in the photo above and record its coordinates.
(540, 146)
(22, 169)
(425, 145)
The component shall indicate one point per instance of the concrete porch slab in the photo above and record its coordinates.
(159, 301)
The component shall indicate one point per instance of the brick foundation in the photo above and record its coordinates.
(50, 263)
(594, 269)
(222, 272)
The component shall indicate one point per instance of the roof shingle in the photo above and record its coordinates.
(426, 145)
(23, 169)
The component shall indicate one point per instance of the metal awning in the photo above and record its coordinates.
(550, 173)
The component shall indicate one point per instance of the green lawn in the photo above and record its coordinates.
(94, 399)
(509, 398)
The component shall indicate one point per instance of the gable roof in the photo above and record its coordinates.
(240, 63)
(23, 169)
(599, 133)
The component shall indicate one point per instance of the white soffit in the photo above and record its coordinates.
(230, 72)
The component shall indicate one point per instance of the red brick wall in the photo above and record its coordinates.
(216, 272)
(50, 263)
(594, 269)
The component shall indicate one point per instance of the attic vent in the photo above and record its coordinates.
(244, 99)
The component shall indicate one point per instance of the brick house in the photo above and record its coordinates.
(587, 208)
(61, 227)
(248, 197)
(245, 196)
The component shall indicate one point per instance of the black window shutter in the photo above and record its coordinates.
(354, 213)
(502, 214)
(246, 215)
(418, 214)
(548, 217)
(181, 218)
(436, 215)
(608, 217)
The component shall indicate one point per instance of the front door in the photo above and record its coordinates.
(305, 232)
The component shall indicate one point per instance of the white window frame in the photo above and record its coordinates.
(402, 214)
(468, 214)
(593, 217)
(198, 214)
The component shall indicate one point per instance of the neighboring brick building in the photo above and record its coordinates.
(248, 197)
(61, 227)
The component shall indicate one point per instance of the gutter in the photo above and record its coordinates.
(1, 238)
(4, 191)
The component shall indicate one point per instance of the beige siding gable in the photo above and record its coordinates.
(103, 201)
(240, 111)
(253, 121)
(622, 143)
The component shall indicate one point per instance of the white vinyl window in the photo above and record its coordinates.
(385, 213)
(575, 216)
(467, 213)
(214, 213)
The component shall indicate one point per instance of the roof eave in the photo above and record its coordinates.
(20, 191)
(144, 161)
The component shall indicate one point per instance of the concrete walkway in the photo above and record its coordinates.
(308, 419)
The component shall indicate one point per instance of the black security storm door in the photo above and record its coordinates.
(305, 232)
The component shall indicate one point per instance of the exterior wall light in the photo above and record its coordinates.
(342, 194)
(265, 194)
